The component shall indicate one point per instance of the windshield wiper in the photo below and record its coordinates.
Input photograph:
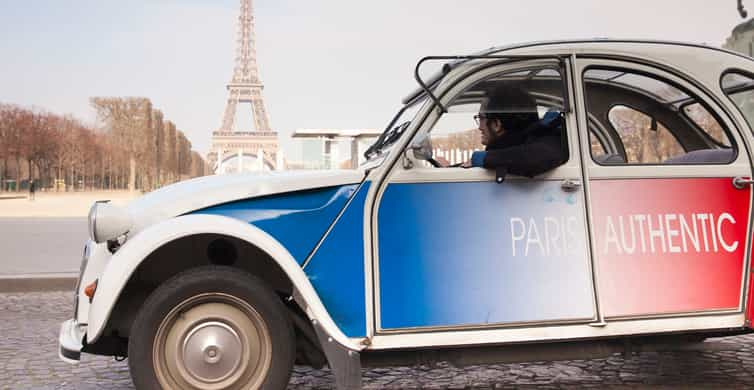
(377, 145)
(396, 133)
(386, 138)
(374, 148)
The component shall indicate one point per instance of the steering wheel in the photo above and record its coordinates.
(434, 162)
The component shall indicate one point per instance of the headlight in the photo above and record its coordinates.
(107, 221)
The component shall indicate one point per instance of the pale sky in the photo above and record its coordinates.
(324, 64)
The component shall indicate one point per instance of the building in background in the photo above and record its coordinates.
(742, 39)
(332, 148)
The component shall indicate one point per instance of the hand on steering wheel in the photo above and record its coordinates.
(441, 162)
(435, 163)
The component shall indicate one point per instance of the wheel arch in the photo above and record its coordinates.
(143, 251)
(191, 252)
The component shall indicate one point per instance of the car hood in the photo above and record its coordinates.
(199, 193)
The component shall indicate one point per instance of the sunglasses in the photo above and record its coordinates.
(478, 118)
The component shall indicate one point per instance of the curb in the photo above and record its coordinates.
(37, 283)
(12, 197)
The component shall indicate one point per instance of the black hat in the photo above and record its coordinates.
(514, 107)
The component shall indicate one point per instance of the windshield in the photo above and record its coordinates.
(402, 120)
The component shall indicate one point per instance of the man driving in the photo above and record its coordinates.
(516, 140)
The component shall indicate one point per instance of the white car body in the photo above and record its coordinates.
(166, 215)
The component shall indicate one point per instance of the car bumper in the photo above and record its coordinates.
(70, 341)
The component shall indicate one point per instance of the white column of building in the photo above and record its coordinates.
(334, 154)
(220, 162)
(279, 160)
(354, 152)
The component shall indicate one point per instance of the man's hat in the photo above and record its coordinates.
(514, 107)
(509, 98)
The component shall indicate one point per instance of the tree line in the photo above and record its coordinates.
(133, 146)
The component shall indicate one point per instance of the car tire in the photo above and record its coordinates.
(212, 327)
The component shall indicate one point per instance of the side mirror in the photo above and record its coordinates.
(422, 147)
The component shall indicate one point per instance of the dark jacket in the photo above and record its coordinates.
(529, 152)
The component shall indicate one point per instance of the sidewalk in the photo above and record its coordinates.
(57, 204)
(41, 240)
(37, 282)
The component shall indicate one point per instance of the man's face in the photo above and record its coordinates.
(490, 129)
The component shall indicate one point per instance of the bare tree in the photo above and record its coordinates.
(5, 142)
(198, 165)
(127, 120)
(135, 148)
(170, 152)
(159, 144)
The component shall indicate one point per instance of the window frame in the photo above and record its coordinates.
(430, 122)
(405, 167)
(628, 66)
(623, 144)
(455, 97)
(682, 110)
(740, 72)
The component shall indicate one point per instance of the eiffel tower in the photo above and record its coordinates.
(246, 150)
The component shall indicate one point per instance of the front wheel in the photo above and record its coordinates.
(212, 328)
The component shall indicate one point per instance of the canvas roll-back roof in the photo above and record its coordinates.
(702, 62)
(636, 46)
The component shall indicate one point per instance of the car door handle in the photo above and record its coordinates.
(741, 182)
(570, 185)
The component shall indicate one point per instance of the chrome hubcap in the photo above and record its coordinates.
(212, 341)
(212, 351)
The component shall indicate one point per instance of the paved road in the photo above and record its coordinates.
(41, 245)
(28, 360)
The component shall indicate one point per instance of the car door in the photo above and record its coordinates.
(454, 249)
(669, 223)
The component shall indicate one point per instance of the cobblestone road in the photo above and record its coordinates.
(28, 360)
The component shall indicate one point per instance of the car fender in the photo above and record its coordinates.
(128, 258)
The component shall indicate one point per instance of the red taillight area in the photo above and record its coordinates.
(90, 290)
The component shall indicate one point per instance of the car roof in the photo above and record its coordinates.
(702, 62)
(609, 44)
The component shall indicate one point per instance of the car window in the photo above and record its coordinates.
(651, 121)
(645, 140)
(596, 146)
(740, 89)
(455, 136)
(702, 118)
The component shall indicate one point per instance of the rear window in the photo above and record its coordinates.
(646, 140)
(702, 118)
(641, 118)
(740, 89)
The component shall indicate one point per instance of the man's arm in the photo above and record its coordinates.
(528, 159)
